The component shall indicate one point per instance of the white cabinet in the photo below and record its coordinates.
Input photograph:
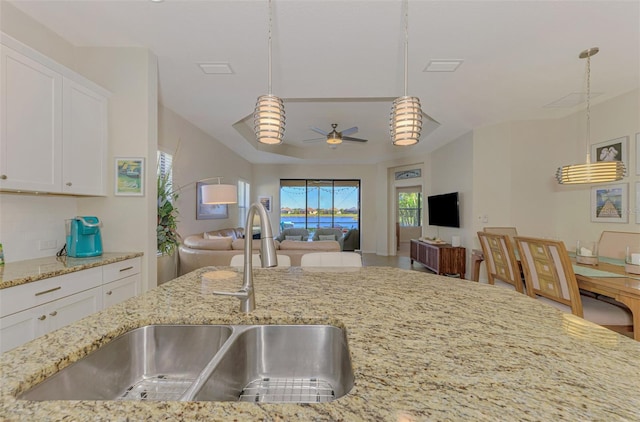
(53, 135)
(84, 140)
(31, 124)
(121, 281)
(33, 309)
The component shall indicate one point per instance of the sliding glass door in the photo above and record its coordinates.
(314, 203)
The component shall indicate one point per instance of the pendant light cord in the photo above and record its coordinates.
(269, 61)
(588, 108)
(406, 46)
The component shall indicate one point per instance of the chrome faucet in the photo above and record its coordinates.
(267, 256)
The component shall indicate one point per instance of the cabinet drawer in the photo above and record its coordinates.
(122, 269)
(120, 290)
(14, 299)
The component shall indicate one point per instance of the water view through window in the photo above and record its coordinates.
(312, 204)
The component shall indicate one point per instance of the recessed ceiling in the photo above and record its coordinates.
(519, 56)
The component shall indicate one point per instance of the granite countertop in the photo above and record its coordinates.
(21, 272)
(423, 347)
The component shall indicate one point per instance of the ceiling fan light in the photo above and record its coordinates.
(406, 121)
(269, 119)
(599, 172)
(334, 139)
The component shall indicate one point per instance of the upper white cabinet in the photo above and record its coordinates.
(31, 122)
(53, 122)
(84, 140)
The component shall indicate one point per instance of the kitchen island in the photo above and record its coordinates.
(423, 347)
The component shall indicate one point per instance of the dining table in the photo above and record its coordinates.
(608, 277)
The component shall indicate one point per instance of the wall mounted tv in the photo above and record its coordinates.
(444, 210)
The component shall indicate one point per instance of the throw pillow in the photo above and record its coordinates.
(207, 235)
(293, 237)
(327, 237)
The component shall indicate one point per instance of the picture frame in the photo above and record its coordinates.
(209, 211)
(638, 154)
(612, 150)
(609, 203)
(129, 176)
(266, 202)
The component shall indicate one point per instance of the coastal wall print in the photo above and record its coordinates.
(609, 204)
(613, 150)
(129, 176)
(209, 211)
(266, 202)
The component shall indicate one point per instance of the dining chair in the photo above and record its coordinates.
(511, 232)
(502, 267)
(284, 261)
(331, 259)
(549, 277)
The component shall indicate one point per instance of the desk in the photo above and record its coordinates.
(623, 289)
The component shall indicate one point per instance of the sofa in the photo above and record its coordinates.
(329, 234)
(216, 249)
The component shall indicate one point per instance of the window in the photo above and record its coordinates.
(410, 206)
(312, 204)
(243, 201)
(165, 161)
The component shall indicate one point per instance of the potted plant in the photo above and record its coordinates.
(166, 231)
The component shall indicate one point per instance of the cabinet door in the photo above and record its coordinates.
(30, 124)
(84, 140)
(120, 290)
(72, 308)
(22, 327)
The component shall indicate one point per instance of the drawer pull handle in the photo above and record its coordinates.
(42, 317)
(48, 291)
(109, 293)
(126, 269)
(54, 313)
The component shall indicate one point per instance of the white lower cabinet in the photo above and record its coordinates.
(34, 309)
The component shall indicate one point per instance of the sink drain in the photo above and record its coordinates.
(288, 390)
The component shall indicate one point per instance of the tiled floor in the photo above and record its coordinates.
(401, 260)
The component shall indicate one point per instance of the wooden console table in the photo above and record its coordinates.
(439, 258)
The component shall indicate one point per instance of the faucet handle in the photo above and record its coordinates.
(239, 294)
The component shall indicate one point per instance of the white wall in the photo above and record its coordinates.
(198, 156)
(452, 170)
(267, 182)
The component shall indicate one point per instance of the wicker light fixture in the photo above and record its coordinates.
(268, 117)
(590, 172)
(406, 114)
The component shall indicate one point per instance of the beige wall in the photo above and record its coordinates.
(267, 182)
(198, 156)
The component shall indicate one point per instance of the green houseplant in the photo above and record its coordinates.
(167, 235)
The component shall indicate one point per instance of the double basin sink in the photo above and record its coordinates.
(257, 363)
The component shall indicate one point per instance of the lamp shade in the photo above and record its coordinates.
(599, 172)
(406, 121)
(219, 194)
(268, 119)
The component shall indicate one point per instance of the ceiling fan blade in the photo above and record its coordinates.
(320, 131)
(348, 138)
(349, 131)
(314, 140)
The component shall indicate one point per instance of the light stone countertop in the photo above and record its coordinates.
(423, 347)
(21, 272)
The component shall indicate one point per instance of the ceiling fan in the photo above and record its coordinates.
(334, 137)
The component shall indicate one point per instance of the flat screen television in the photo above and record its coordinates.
(444, 210)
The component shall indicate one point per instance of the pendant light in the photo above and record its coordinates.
(406, 114)
(268, 117)
(599, 171)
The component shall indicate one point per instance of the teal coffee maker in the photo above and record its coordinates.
(83, 237)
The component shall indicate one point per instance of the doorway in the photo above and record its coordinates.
(409, 204)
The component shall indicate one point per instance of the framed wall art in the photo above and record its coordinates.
(609, 203)
(613, 150)
(266, 202)
(637, 210)
(129, 176)
(209, 211)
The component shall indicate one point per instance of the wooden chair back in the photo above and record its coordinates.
(548, 272)
(509, 231)
(500, 259)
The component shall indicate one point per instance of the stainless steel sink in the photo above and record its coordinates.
(280, 364)
(257, 363)
(156, 362)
